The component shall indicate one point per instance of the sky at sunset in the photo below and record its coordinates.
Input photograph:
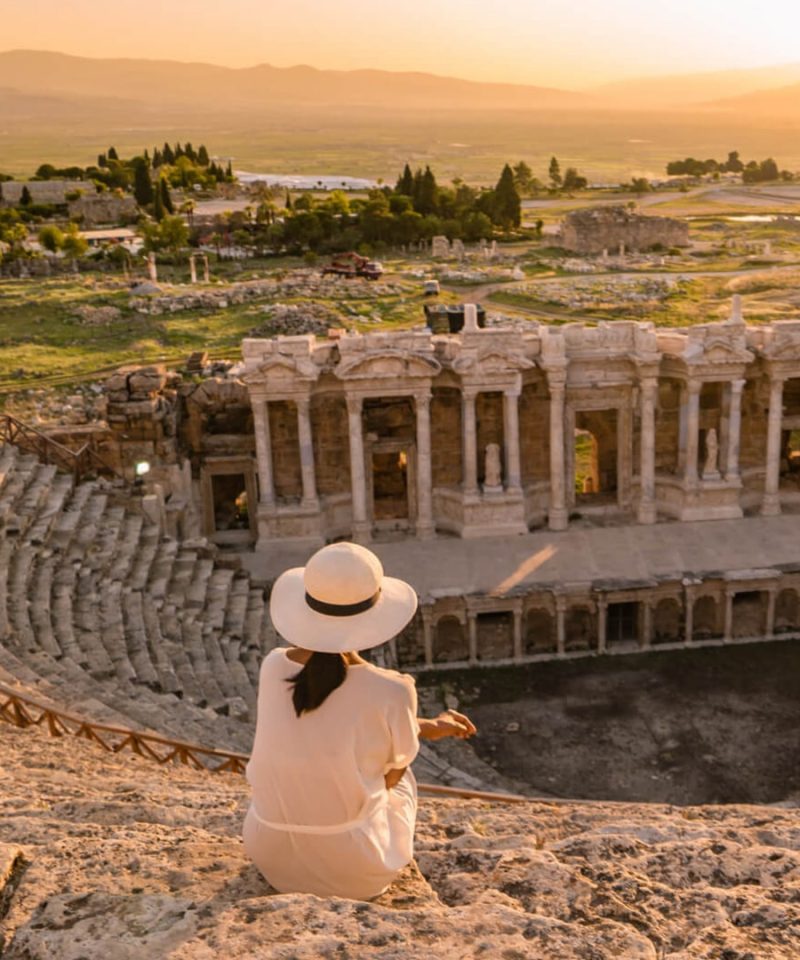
(549, 42)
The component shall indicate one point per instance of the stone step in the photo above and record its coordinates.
(142, 561)
(128, 547)
(65, 526)
(40, 613)
(6, 551)
(86, 527)
(32, 501)
(161, 568)
(60, 491)
(20, 572)
(9, 454)
(21, 496)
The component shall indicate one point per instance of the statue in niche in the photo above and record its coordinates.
(711, 466)
(492, 471)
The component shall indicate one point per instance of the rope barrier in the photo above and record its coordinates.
(23, 711)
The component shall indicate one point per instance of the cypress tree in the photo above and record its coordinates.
(506, 204)
(112, 154)
(25, 197)
(142, 187)
(178, 150)
(158, 205)
(166, 199)
(189, 152)
(101, 160)
(146, 157)
(288, 203)
(405, 183)
(156, 157)
(229, 172)
(202, 156)
(167, 154)
(428, 193)
(555, 173)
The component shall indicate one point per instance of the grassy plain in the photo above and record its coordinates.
(607, 146)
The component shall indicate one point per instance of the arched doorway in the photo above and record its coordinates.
(449, 643)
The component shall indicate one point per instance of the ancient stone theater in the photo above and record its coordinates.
(539, 485)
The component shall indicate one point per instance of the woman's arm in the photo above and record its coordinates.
(447, 724)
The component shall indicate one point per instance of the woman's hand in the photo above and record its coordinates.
(447, 724)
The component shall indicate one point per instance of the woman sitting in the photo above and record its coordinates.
(334, 802)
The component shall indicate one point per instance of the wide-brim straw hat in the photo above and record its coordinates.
(340, 601)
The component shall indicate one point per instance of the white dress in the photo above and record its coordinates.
(321, 819)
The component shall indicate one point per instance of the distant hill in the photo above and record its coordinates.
(783, 102)
(168, 83)
(695, 89)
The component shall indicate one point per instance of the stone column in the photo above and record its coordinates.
(557, 514)
(306, 452)
(771, 504)
(425, 527)
(427, 633)
(734, 429)
(647, 626)
(647, 467)
(518, 630)
(357, 478)
(266, 485)
(561, 627)
(772, 596)
(470, 443)
(472, 624)
(688, 612)
(727, 632)
(692, 430)
(511, 430)
(602, 613)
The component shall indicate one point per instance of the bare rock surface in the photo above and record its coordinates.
(128, 860)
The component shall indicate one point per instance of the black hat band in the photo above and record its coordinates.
(342, 609)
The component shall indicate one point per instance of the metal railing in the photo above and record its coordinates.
(80, 462)
(22, 711)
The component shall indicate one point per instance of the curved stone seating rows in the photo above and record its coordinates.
(100, 609)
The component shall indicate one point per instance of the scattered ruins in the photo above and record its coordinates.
(617, 229)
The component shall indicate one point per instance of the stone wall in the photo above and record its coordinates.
(446, 445)
(597, 229)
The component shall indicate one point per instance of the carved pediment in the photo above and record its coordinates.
(389, 364)
(784, 348)
(493, 361)
(718, 350)
(283, 371)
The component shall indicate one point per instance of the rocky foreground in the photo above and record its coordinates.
(114, 857)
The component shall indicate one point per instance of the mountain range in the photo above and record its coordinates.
(37, 83)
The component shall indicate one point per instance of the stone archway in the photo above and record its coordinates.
(539, 632)
(450, 642)
(787, 612)
(580, 632)
(668, 623)
(705, 619)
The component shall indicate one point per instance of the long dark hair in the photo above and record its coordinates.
(320, 676)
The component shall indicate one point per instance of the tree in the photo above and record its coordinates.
(166, 199)
(142, 185)
(554, 172)
(102, 160)
(167, 155)
(733, 164)
(158, 204)
(640, 185)
(506, 204)
(229, 172)
(112, 153)
(405, 182)
(523, 177)
(426, 198)
(25, 197)
(74, 245)
(573, 180)
(51, 238)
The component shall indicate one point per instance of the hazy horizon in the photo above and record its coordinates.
(541, 42)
